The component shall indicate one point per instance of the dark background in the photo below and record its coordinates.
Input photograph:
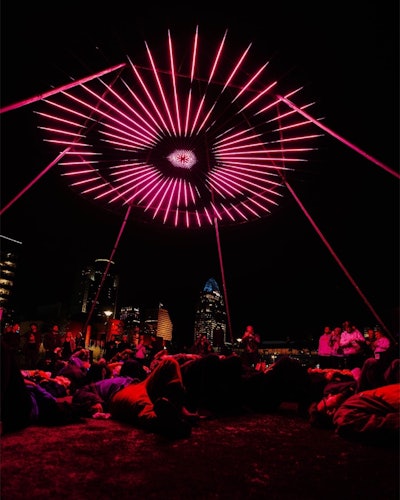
(279, 274)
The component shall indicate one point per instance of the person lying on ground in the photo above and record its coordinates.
(218, 384)
(371, 416)
(26, 402)
(155, 404)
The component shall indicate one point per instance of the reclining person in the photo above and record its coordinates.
(371, 416)
(154, 404)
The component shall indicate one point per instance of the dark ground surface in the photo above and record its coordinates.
(274, 456)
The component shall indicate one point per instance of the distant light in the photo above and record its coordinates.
(104, 260)
(10, 239)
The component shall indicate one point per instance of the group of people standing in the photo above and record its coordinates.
(346, 347)
(35, 348)
(249, 343)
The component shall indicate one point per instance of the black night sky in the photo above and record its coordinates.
(280, 276)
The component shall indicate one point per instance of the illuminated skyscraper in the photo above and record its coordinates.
(90, 281)
(158, 323)
(210, 316)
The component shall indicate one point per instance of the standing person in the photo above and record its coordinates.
(51, 340)
(337, 359)
(31, 346)
(381, 344)
(111, 348)
(352, 342)
(250, 344)
(153, 348)
(325, 348)
(202, 345)
(68, 346)
(79, 341)
(124, 344)
(369, 342)
(12, 337)
(141, 351)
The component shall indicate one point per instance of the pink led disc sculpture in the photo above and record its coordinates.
(190, 138)
(187, 139)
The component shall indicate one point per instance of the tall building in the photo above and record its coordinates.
(88, 289)
(152, 322)
(210, 315)
(130, 315)
(157, 322)
(9, 252)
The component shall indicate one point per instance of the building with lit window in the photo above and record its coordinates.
(157, 322)
(9, 252)
(96, 292)
(210, 315)
(130, 315)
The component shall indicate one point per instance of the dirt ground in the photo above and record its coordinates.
(252, 456)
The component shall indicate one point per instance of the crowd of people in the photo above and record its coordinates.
(169, 393)
(347, 347)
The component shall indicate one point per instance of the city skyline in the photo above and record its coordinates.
(280, 275)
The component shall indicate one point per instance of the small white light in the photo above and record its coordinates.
(182, 158)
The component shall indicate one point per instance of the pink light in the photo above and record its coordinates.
(150, 188)
(228, 213)
(60, 89)
(274, 103)
(192, 72)
(199, 110)
(138, 183)
(194, 53)
(188, 107)
(258, 96)
(216, 212)
(171, 55)
(138, 132)
(210, 221)
(217, 57)
(289, 113)
(177, 146)
(254, 77)
(146, 127)
(173, 182)
(33, 182)
(177, 201)
(161, 188)
(57, 118)
(236, 68)
(236, 209)
(149, 96)
(122, 132)
(342, 139)
(160, 87)
(182, 158)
